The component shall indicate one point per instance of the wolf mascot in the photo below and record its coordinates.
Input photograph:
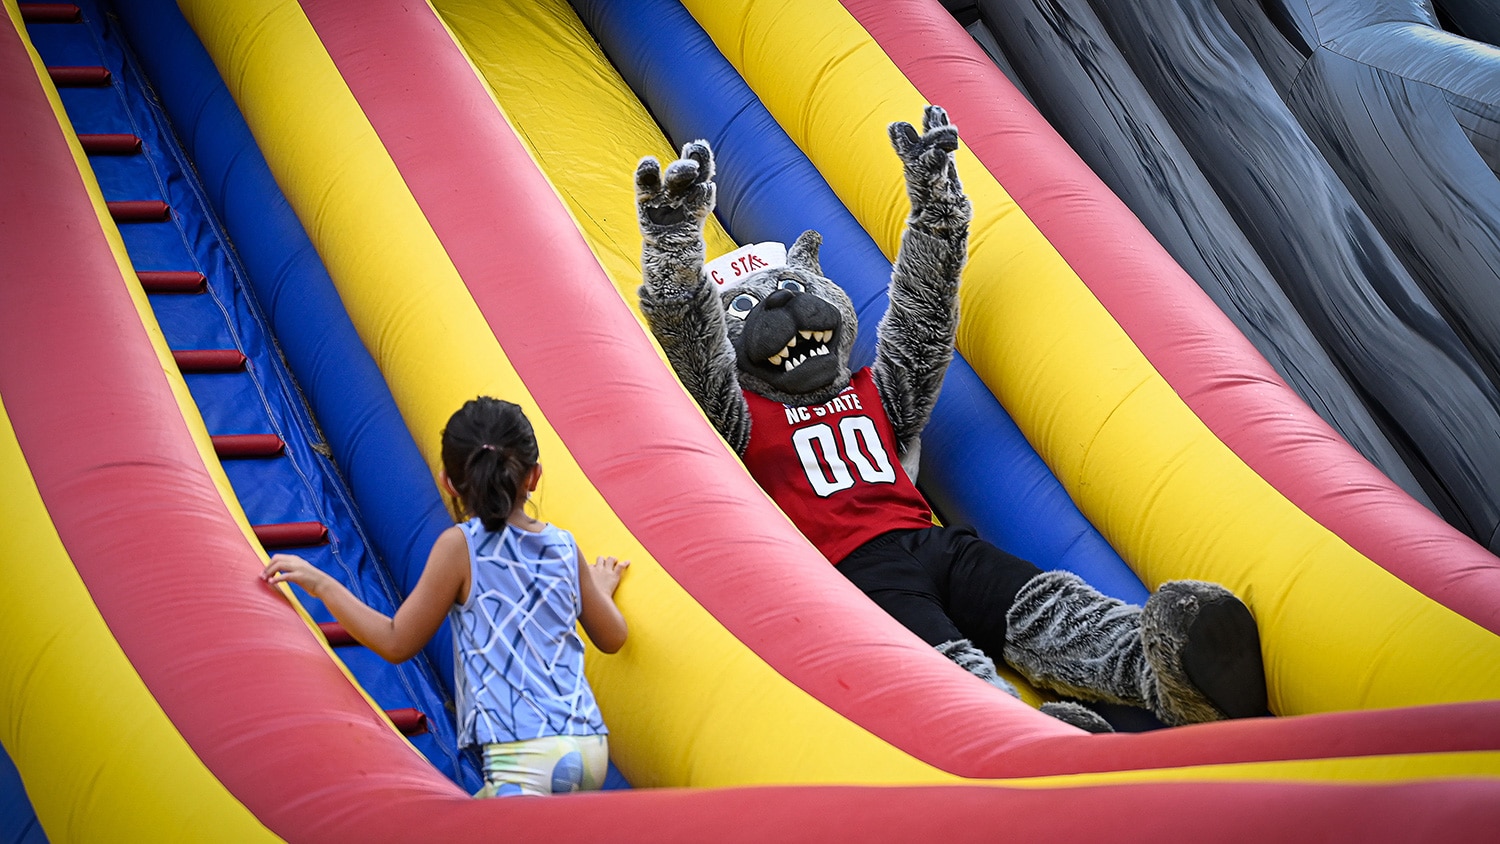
(762, 341)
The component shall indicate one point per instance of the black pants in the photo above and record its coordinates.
(942, 583)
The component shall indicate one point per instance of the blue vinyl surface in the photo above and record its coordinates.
(18, 823)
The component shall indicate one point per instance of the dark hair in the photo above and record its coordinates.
(488, 447)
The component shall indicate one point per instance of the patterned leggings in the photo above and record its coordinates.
(551, 765)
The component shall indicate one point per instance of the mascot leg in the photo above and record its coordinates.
(907, 573)
(1192, 654)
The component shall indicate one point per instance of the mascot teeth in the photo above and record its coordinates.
(786, 352)
(793, 363)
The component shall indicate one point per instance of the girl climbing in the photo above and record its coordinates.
(515, 589)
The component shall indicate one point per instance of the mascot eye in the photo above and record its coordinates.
(742, 305)
(791, 284)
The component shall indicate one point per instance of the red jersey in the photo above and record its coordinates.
(833, 469)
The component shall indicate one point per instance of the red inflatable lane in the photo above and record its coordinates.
(138, 512)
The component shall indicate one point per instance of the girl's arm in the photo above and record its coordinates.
(602, 620)
(444, 582)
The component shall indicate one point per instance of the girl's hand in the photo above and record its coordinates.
(601, 619)
(606, 573)
(289, 568)
(395, 639)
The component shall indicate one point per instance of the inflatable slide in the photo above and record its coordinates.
(158, 691)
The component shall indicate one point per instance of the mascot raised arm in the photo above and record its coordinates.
(761, 340)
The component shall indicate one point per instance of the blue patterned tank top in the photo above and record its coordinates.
(518, 654)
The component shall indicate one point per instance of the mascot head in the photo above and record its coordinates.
(791, 328)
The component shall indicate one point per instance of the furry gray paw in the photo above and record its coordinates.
(685, 193)
(1077, 715)
(938, 203)
(1203, 645)
(976, 662)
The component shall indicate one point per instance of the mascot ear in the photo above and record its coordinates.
(804, 253)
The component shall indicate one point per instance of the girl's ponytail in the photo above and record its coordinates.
(489, 448)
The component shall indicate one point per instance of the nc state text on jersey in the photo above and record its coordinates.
(839, 404)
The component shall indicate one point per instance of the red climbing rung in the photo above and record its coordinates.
(410, 722)
(231, 446)
(110, 144)
(336, 635)
(209, 360)
(172, 281)
(50, 13)
(291, 534)
(84, 76)
(139, 211)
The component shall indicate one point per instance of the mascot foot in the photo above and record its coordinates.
(974, 661)
(1192, 655)
(1203, 646)
(1077, 715)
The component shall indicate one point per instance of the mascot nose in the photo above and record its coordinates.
(779, 299)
